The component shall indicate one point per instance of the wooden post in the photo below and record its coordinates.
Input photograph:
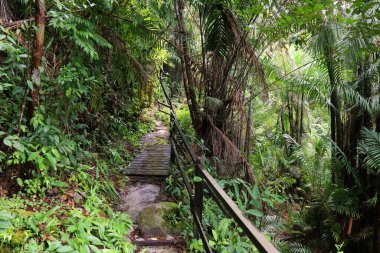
(171, 132)
(198, 193)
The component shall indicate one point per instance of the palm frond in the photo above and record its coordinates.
(369, 146)
(344, 201)
(218, 28)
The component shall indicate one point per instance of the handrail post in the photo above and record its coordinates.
(198, 193)
(171, 132)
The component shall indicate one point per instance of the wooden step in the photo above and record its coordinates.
(154, 160)
(147, 172)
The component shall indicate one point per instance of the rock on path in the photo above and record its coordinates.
(138, 197)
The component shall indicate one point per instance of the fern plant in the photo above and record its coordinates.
(369, 146)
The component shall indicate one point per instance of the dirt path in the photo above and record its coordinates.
(144, 192)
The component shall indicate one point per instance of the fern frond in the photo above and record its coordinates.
(369, 146)
(344, 201)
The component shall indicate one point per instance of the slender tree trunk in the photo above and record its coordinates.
(376, 234)
(5, 12)
(367, 92)
(37, 58)
(291, 120)
(247, 144)
(297, 116)
(299, 120)
(189, 85)
(282, 121)
(335, 118)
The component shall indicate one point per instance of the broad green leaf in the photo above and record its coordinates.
(33, 156)
(95, 240)
(7, 142)
(5, 215)
(20, 183)
(51, 159)
(17, 145)
(53, 245)
(95, 249)
(5, 224)
(30, 84)
(64, 249)
(215, 234)
(255, 193)
(197, 179)
(255, 212)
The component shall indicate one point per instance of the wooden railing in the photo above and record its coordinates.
(182, 151)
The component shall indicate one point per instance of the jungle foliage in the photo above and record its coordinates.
(281, 98)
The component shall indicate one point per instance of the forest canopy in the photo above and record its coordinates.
(280, 98)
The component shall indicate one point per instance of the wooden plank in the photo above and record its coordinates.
(139, 166)
(147, 164)
(158, 242)
(147, 173)
(142, 162)
(154, 160)
(167, 156)
(159, 150)
(155, 152)
(166, 153)
(148, 168)
(142, 166)
(155, 146)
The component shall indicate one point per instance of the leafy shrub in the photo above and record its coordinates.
(63, 229)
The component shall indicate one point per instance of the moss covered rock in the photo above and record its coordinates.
(5, 249)
(19, 237)
(153, 219)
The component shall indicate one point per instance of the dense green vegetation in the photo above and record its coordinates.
(281, 97)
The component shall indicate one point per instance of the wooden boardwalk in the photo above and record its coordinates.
(154, 160)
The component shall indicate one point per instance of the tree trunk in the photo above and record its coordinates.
(247, 144)
(335, 117)
(300, 120)
(376, 233)
(282, 121)
(367, 92)
(5, 12)
(291, 119)
(33, 103)
(189, 82)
